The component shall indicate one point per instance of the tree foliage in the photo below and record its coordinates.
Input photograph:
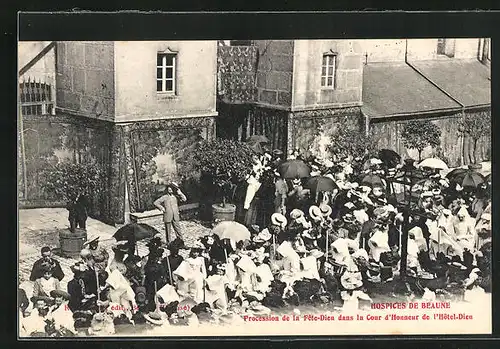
(226, 161)
(419, 134)
(350, 142)
(475, 125)
(67, 180)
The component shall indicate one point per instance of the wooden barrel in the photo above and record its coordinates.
(226, 213)
(72, 243)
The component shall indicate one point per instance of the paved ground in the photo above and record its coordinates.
(40, 227)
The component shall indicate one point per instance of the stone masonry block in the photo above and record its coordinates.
(350, 62)
(284, 98)
(75, 54)
(261, 80)
(68, 100)
(354, 80)
(284, 81)
(328, 96)
(99, 83)
(99, 56)
(272, 80)
(265, 64)
(64, 79)
(269, 97)
(348, 96)
(78, 80)
(281, 47)
(61, 54)
(90, 105)
(283, 63)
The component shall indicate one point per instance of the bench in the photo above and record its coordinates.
(154, 217)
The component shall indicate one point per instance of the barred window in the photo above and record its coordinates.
(35, 98)
(165, 73)
(328, 70)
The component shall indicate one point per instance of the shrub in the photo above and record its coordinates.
(349, 142)
(225, 161)
(67, 180)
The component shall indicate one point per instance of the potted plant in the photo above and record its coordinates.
(226, 163)
(76, 184)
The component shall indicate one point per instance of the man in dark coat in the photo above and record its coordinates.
(78, 212)
(37, 270)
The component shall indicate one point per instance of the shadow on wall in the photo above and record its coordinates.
(49, 143)
(164, 156)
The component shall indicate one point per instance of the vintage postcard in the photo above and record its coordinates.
(260, 187)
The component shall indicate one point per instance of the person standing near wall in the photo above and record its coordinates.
(169, 205)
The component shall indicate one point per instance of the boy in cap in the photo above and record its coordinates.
(36, 321)
(60, 312)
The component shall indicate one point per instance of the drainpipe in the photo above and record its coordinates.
(440, 89)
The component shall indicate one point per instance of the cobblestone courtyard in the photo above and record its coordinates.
(40, 227)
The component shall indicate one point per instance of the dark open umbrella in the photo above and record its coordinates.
(466, 177)
(389, 157)
(320, 183)
(472, 179)
(294, 169)
(457, 174)
(372, 181)
(257, 143)
(135, 232)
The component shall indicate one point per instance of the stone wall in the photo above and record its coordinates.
(274, 72)
(307, 89)
(85, 78)
(49, 140)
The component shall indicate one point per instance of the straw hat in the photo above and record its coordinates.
(326, 210)
(296, 214)
(426, 194)
(315, 213)
(349, 218)
(60, 293)
(91, 240)
(263, 236)
(316, 253)
(279, 220)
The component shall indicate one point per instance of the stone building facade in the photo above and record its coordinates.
(138, 109)
(301, 90)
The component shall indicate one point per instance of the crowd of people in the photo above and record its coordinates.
(311, 243)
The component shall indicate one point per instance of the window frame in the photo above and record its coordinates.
(164, 67)
(333, 86)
